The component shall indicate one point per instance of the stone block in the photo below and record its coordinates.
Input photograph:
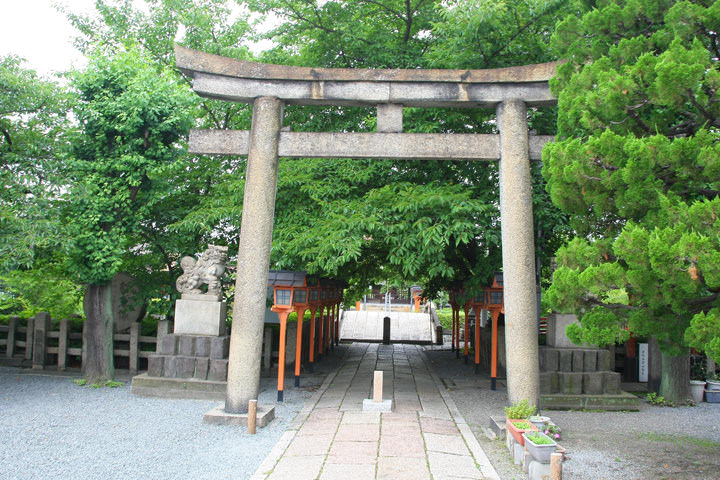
(518, 453)
(578, 362)
(218, 416)
(219, 348)
(538, 471)
(218, 370)
(170, 368)
(590, 361)
(593, 383)
(565, 362)
(371, 406)
(604, 361)
(167, 345)
(186, 345)
(612, 382)
(549, 382)
(200, 317)
(571, 382)
(184, 367)
(201, 368)
(202, 346)
(155, 366)
(556, 325)
(549, 359)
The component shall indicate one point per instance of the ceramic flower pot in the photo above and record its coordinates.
(541, 422)
(540, 451)
(712, 396)
(696, 390)
(517, 432)
(713, 385)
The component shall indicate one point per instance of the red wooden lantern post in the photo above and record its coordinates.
(466, 308)
(478, 303)
(337, 319)
(496, 306)
(313, 299)
(300, 302)
(282, 305)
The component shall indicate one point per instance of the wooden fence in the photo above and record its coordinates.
(36, 345)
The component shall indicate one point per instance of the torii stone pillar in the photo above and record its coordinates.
(518, 254)
(243, 382)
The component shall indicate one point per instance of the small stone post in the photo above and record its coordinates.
(63, 344)
(12, 328)
(29, 330)
(42, 327)
(386, 330)
(254, 255)
(518, 254)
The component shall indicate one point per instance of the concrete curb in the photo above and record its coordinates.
(476, 450)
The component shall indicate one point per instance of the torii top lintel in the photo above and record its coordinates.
(243, 81)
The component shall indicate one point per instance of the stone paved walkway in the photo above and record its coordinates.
(424, 437)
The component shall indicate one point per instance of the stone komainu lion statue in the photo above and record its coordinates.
(208, 269)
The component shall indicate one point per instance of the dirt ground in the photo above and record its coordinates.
(654, 443)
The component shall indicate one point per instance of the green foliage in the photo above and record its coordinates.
(539, 438)
(523, 425)
(80, 382)
(131, 117)
(657, 400)
(636, 167)
(113, 384)
(33, 118)
(520, 410)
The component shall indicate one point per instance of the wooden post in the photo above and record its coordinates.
(494, 352)
(298, 345)
(63, 344)
(467, 336)
(331, 321)
(556, 466)
(281, 355)
(378, 386)
(252, 417)
(337, 326)
(328, 333)
(267, 354)
(477, 340)
(321, 341)
(134, 346)
(29, 331)
(12, 327)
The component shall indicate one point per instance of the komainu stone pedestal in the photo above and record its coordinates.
(200, 315)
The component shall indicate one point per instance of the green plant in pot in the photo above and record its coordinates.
(540, 446)
(516, 422)
(697, 378)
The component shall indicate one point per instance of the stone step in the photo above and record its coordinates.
(622, 401)
(145, 386)
(574, 360)
(592, 383)
(184, 367)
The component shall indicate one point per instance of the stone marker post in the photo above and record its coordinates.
(254, 255)
(40, 337)
(518, 254)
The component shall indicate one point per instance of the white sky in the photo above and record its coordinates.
(36, 31)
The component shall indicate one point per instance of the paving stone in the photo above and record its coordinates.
(353, 452)
(435, 425)
(402, 468)
(318, 427)
(361, 418)
(399, 418)
(358, 433)
(402, 446)
(325, 414)
(444, 465)
(309, 445)
(400, 429)
(454, 444)
(297, 468)
(333, 471)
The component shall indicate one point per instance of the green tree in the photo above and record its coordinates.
(131, 119)
(638, 170)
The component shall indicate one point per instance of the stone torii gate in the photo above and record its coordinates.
(270, 87)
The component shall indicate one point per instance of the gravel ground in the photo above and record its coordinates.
(52, 428)
(654, 443)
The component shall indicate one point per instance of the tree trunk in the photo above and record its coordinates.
(675, 384)
(98, 334)
(654, 366)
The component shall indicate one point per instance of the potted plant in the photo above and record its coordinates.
(713, 382)
(541, 422)
(516, 422)
(540, 446)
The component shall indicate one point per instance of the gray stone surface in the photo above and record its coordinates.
(418, 146)
(549, 359)
(218, 416)
(202, 346)
(207, 270)
(571, 382)
(538, 471)
(578, 360)
(371, 406)
(41, 327)
(604, 362)
(404, 326)
(556, 325)
(254, 255)
(184, 367)
(155, 365)
(218, 370)
(593, 383)
(201, 368)
(612, 382)
(565, 360)
(219, 347)
(167, 345)
(170, 367)
(186, 345)
(200, 317)
(389, 118)
(590, 361)
(518, 254)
